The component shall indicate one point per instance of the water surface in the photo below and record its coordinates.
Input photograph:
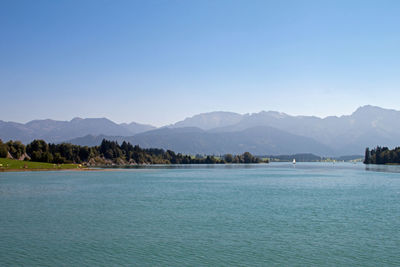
(277, 215)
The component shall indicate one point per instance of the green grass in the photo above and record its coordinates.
(12, 164)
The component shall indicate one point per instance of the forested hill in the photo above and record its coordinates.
(382, 155)
(110, 153)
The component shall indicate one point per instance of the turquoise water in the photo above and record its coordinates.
(260, 215)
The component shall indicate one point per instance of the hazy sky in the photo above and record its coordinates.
(161, 61)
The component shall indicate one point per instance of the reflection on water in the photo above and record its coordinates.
(187, 166)
(383, 168)
(280, 165)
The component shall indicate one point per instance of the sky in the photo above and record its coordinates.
(159, 62)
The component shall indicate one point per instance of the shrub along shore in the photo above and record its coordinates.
(109, 153)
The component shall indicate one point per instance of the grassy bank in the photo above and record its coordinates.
(15, 165)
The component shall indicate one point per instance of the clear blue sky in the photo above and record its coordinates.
(161, 61)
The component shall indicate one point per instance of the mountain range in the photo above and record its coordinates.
(263, 133)
(60, 131)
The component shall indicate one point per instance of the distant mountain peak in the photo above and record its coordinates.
(136, 128)
(76, 119)
(210, 120)
(369, 108)
(275, 114)
(44, 120)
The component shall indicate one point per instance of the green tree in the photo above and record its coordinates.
(228, 158)
(367, 159)
(16, 149)
(247, 157)
(58, 158)
(36, 150)
(3, 149)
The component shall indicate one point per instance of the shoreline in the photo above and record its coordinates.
(122, 168)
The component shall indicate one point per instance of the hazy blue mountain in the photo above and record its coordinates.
(78, 127)
(58, 131)
(210, 120)
(136, 128)
(220, 132)
(262, 140)
(350, 134)
(14, 131)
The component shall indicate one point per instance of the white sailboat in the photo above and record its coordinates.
(294, 161)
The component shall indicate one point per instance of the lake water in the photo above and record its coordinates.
(319, 214)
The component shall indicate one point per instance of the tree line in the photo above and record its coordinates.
(382, 155)
(110, 153)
